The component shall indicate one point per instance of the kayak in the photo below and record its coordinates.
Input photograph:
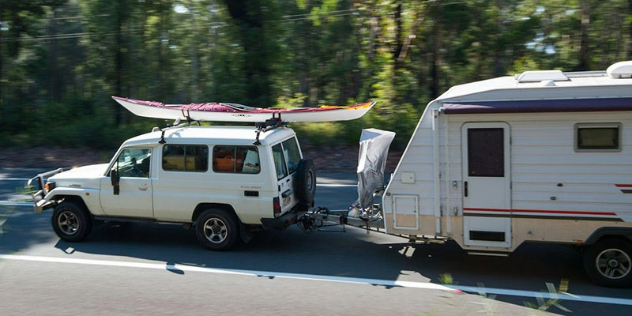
(231, 112)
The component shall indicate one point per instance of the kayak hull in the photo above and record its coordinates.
(226, 112)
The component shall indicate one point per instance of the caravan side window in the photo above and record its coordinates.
(590, 137)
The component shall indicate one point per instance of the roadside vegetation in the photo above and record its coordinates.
(62, 60)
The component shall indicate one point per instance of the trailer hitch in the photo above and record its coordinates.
(314, 220)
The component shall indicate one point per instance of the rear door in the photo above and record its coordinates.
(486, 184)
(286, 156)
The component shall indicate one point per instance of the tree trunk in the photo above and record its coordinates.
(398, 34)
(55, 82)
(2, 74)
(194, 61)
(499, 69)
(629, 52)
(250, 19)
(436, 61)
(119, 61)
(584, 50)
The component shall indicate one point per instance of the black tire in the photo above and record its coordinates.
(71, 221)
(609, 262)
(305, 182)
(217, 229)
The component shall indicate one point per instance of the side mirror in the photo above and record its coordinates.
(115, 178)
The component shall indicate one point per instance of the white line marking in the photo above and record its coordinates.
(14, 179)
(312, 277)
(9, 203)
(333, 185)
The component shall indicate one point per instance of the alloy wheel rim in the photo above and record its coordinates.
(613, 264)
(68, 222)
(215, 230)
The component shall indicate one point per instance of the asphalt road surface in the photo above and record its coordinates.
(141, 269)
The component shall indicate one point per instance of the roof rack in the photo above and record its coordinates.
(269, 124)
(175, 124)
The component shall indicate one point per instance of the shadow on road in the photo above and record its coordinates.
(352, 254)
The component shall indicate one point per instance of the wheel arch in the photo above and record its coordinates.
(204, 206)
(609, 232)
(72, 198)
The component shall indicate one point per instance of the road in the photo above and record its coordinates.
(133, 269)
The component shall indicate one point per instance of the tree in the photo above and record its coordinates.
(18, 18)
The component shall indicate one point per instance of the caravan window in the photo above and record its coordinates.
(598, 137)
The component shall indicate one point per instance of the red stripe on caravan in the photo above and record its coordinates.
(624, 185)
(500, 210)
(538, 211)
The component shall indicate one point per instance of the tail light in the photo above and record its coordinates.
(276, 205)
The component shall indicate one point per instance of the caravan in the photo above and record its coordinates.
(545, 156)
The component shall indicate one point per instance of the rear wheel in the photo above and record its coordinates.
(609, 262)
(71, 222)
(216, 229)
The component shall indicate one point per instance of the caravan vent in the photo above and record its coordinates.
(541, 75)
(620, 70)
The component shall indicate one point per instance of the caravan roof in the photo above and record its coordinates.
(545, 91)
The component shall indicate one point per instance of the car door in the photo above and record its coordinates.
(286, 158)
(134, 197)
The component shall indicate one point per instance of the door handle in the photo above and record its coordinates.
(143, 187)
(465, 188)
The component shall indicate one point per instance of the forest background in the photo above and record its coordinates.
(62, 60)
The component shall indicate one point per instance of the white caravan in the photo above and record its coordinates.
(544, 156)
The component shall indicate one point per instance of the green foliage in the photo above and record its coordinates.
(62, 60)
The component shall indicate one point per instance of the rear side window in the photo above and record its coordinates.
(292, 154)
(598, 137)
(236, 159)
(192, 158)
(286, 157)
(279, 161)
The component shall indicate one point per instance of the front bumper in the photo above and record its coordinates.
(39, 193)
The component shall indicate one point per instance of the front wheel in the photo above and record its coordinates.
(71, 222)
(609, 262)
(216, 229)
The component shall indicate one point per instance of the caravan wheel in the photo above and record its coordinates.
(609, 262)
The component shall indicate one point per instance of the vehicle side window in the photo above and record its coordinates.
(193, 158)
(236, 159)
(279, 161)
(292, 154)
(133, 162)
(597, 137)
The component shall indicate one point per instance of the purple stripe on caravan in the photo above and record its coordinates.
(536, 106)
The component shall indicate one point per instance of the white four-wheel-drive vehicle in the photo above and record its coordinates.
(224, 181)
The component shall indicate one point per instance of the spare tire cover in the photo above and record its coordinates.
(305, 182)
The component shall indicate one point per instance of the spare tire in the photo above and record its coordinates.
(305, 182)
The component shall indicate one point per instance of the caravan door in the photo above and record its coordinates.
(486, 184)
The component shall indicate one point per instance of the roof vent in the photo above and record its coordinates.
(547, 83)
(541, 75)
(620, 70)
